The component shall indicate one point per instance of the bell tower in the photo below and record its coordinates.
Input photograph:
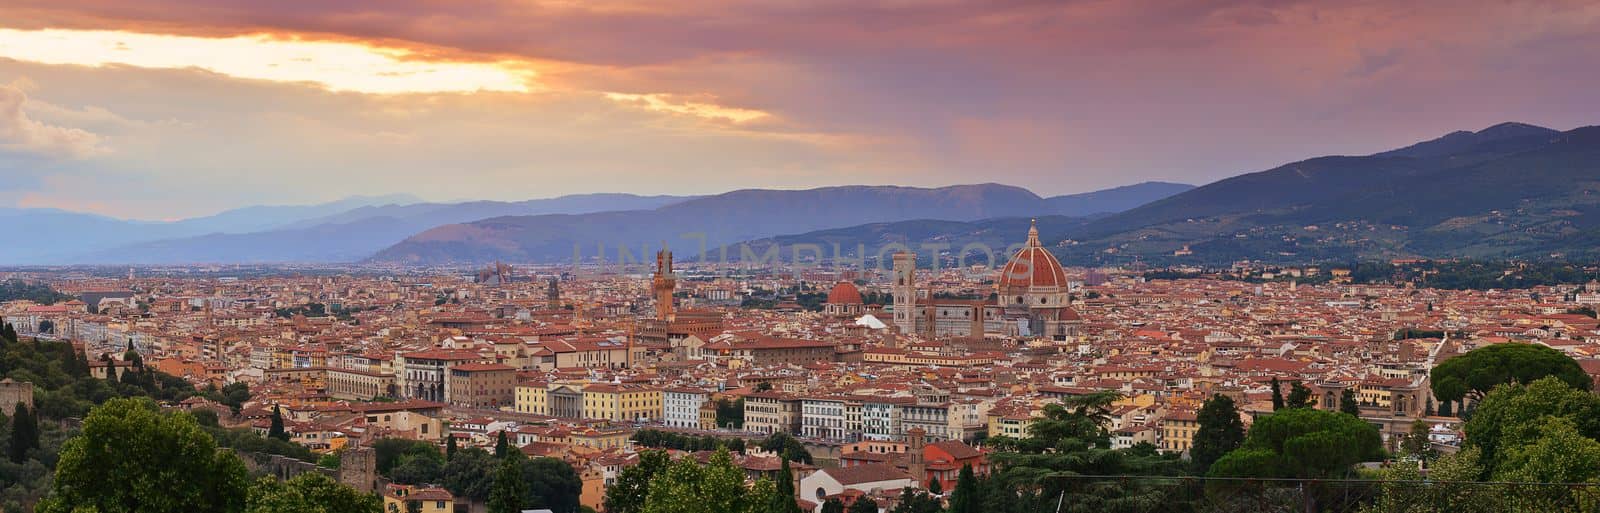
(664, 284)
(905, 292)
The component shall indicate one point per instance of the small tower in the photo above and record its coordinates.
(916, 439)
(905, 292)
(552, 294)
(664, 284)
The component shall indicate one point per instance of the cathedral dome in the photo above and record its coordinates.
(845, 293)
(1032, 267)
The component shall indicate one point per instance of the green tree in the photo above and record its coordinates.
(628, 493)
(787, 446)
(1220, 431)
(420, 468)
(310, 492)
(276, 430)
(234, 396)
(1348, 403)
(1277, 395)
(391, 452)
(916, 501)
(550, 484)
(469, 474)
(1479, 371)
(730, 413)
(1452, 488)
(688, 487)
(24, 434)
(935, 488)
(1417, 444)
(1299, 396)
(509, 491)
(1302, 443)
(449, 447)
(502, 447)
(1559, 454)
(864, 504)
(1511, 416)
(832, 505)
(130, 458)
(783, 500)
(967, 497)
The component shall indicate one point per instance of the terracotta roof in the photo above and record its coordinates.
(869, 473)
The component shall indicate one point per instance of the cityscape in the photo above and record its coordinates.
(817, 257)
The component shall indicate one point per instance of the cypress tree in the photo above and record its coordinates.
(784, 500)
(1220, 431)
(276, 431)
(24, 434)
(450, 448)
(501, 446)
(967, 497)
(1348, 404)
(1277, 395)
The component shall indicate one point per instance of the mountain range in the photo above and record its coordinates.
(1508, 191)
(355, 228)
(722, 219)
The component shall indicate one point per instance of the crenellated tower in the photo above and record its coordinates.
(664, 283)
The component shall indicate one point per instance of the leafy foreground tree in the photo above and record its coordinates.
(1221, 430)
(687, 486)
(1302, 443)
(309, 493)
(633, 483)
(1513, 416)
(1040, 471)
(130, 458)
(832, 506)
(1450, 488)
(1479, 371)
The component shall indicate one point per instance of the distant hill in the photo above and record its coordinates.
(58, 236)
(1511, 190)
(349, 234)
(737, 216)
(1113, 200)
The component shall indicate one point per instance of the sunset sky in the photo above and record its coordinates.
(160, 109)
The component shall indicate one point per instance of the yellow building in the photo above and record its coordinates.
(621, 403)
(601, 439)
(532, 397)
(406, 498)
(1177, 431)
(1012, 424)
